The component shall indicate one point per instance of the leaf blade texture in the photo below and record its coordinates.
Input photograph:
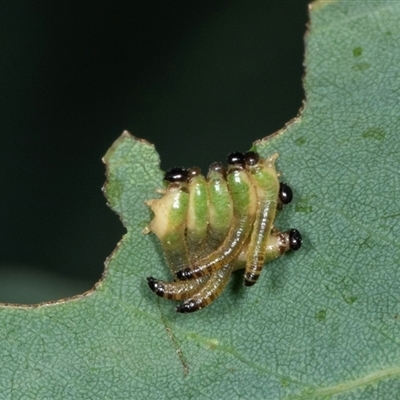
(320, 322)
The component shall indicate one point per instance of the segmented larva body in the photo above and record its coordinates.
(169, 223)
(220, 207)
(244, 203)
(197, 215)
(265, 179)
(217, 221)
(210, 227)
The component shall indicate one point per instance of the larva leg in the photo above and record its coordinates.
(169, 222)
(265, 179)
(209, 292)
(244, 210)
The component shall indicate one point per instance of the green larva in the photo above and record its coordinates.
(211, 227)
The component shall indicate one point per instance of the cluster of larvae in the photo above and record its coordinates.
(209, 227)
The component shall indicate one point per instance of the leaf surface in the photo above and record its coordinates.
(321, 322)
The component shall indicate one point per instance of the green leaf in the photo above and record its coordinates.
(319, 323)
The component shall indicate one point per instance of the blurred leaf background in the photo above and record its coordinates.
(197, 79)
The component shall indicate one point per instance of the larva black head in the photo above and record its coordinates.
(295, 239)
(194, 171)
(176, 174)
(236, 158)
(184, 274)
(251, 158)
(285, 193)
(153, 285)
(217, 167)
(187, 307)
